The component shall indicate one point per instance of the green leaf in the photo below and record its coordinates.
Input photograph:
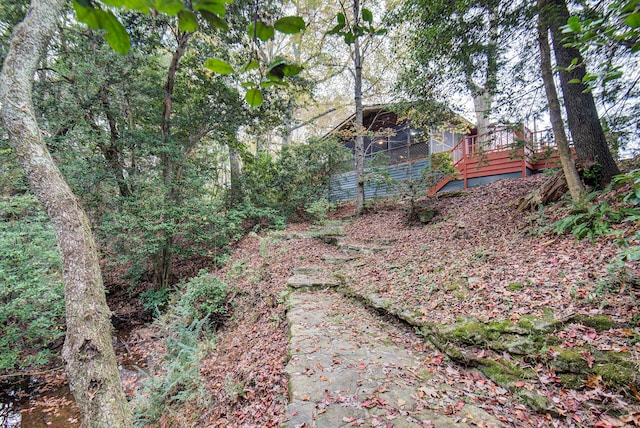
(276, 62)
(275, 71)
(248, 84)
(367, 16)
(292, 70)
(254, 97)
(187, 21)
(215, 21)
(270, 83)
(114, 3)
(381, 32)
(218, 66)
(251, 65)
(139, 5)
(614, 75)
(336, 29)
(261, 31)
(574, 24)
(216, 7)
(290, 25)
(630, 6)
(349, 38)
(86, 14)
(116, 35)
(170, 7)
(575, 81)
(341, 18)
(633, 20)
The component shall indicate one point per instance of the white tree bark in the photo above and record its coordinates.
(482, 101)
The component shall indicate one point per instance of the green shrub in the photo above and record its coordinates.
(31, 290)
(632, 196)
(299, 174)
(598, 219)
(591, 220)
(178, 380)
(12, 179)
(317, 210)
(138, 232)
(155, 300)
(204, 296)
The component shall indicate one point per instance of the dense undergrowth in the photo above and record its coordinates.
(31, 294)
(196, 309)
(197, 231)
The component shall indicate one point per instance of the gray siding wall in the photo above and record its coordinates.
(343, 186)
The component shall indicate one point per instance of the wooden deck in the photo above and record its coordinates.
(501, 152)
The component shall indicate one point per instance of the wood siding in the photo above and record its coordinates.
(343, 186)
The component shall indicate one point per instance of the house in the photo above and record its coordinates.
(391, 144)
(396, 151)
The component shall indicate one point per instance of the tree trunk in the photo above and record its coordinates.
(164, 258)
(88, 351)
(550, 191)
(582, 115)
(482, 100)
(113, 152)
(235, 190)
(576, 188)
(483, 95)
(359, 146)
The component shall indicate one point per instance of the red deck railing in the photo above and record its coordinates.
(501, 150)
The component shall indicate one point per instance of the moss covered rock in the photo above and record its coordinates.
(597, 322)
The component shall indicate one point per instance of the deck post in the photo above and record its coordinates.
(465, 153)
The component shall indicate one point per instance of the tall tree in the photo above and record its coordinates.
(356, 27)
(582, 115)
(90, 361)
(576, 188)
(459, 44)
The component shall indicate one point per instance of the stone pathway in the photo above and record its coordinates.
(349, 367)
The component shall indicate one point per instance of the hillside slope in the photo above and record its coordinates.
(538, 314)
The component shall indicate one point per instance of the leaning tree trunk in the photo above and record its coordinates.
(576, 188)
(582, 115)
(359, 146)
(88, 350)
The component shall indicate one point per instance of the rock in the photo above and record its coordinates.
(425, 216)
(290, 236)
(361, 248)
(385, 241)
(345, 373)
(474, 280)
(336, 260)
(308, 281)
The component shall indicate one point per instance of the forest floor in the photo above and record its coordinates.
(482, 317)
(501, 315)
